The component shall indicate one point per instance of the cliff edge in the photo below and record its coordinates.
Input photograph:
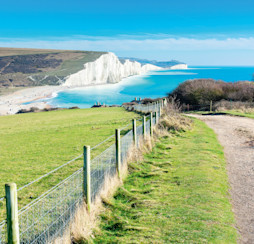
(107, 69)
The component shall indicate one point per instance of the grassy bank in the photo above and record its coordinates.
(36, 143)
(229, 112)
(240, 113)
(178, 194)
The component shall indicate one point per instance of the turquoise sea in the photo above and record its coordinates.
(154, 84)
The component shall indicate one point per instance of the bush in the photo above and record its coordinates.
(202, 91)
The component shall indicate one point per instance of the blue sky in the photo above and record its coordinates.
(197, 32)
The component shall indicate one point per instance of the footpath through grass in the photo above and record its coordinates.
(36, 143)
(240, 113)
(178, 194)
(229, 112)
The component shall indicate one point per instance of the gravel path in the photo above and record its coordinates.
(236, 135)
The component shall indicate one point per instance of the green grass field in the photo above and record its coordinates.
(178, 194)
(36, 143)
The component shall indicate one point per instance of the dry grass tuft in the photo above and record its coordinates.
(85, 223)
(245, 107)
(172, 120)
(176, 123)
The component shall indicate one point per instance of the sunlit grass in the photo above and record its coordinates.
(178, 194)
(36, 143)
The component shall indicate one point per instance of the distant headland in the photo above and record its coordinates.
(47, 71)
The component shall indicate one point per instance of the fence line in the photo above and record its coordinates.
(148, 107)
(47, 217)
(63, 165)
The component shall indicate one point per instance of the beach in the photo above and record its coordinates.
(12, 103)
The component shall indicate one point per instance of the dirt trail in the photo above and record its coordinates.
(236, 135)
(1, 70)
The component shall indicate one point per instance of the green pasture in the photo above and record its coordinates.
(35, 143)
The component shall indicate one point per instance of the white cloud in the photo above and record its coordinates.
(195, 50)
(133, 43)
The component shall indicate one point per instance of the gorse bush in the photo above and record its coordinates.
(202, 91)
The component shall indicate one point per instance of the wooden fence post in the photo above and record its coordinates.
(134, 131)
(118, 152)
(12, 213)
(144, 126)
(151, 124)
(87, 176)
(166, 102)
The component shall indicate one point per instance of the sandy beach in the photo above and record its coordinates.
(12, 103)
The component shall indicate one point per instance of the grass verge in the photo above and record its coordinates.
(240, 113)
(229, 112)
(178, 194)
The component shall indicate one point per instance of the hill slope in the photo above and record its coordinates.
(36, 67)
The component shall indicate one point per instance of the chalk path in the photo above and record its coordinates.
(236, 135)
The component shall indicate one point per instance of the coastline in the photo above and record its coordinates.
(12, 103)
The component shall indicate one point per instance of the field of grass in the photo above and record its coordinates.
(36, 143)
(178, 194)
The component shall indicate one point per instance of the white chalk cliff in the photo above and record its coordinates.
(106, 69)
(179, 66)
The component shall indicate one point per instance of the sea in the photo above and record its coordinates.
(154, 84)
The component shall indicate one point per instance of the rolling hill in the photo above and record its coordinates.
(20, 67)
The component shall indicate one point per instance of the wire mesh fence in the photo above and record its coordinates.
(145, 108)
(126, 143)
(148, 127)
(3, 232)
(47, 217)
(154, 120)
(139, 134)
(102, 167)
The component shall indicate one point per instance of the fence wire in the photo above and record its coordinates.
(126, 143)
(145, 108)
(103, 167)
(46, 218)
(148, 127)
(139, 134)
(3, 232)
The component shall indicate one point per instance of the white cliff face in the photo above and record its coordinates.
(179, 66)
(106, 69)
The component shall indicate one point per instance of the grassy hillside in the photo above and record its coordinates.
(34, 144)
(37, 67)
(178, 194)
(8, 51)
